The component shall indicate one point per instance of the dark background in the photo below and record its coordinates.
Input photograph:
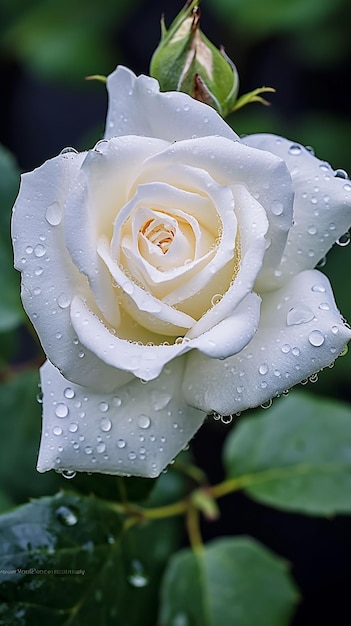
(302, 49)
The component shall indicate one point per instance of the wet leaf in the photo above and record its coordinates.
(295, 456)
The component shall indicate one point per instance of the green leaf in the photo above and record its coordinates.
(231, 581)
(20, 426)
(296, 456)
(70, 560)
(11, 311)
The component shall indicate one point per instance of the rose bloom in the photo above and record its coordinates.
(169, 274)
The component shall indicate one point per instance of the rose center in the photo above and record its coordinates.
(158, 233)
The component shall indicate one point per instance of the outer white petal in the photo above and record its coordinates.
(136, 107)
(301, 331)
(139, 431)
(49, 278)
(265, 175)
(322, 206)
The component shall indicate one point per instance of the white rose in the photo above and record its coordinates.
(176, 255)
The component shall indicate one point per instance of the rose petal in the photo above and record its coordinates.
(103, 186)
(264, 174)
(233, 333)
(143, 307)
(144, 361)
(136, 107)
(322, 206)
(49, 278)
(137, 431)
(252, 228)
(301, 331)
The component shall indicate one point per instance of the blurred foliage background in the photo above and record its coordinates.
(302, 48)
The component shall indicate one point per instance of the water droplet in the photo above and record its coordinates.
(339, 173)
(186, 107)
(105, 424)
(324, 306)
(137, 577)
(101, 447)
(344, 240)
(39, 250)
(121, 443)
(57, 431)
(216, 416)
(73, 427)
(322, 262)
(347, 187)
(53, 214)
(69, 474)
(68, 150)
(312, 230)
(263, 369)
(40, 397)
(88, 449)
(66, 516)
(286, 348)
(29, 250)
(63, 300)
(132, 455)
(160, 399)
(226, 419)
(299, 315)
(216, 298)
(61, 410)
(267, 405)
(316, 338)
(116, 401)
(69, 393)
(277, 207)
(38, 271)
(103, 406)
(295, 149)
(144, 421)
(128, 287)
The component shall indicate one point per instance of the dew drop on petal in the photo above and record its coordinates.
(103, 406)
(69, 393)
(344, 240)
(63, 301)
(263, 369)
(144, 421)
(295, 149)
(226, 419)
(53, 214)
(61, 410)
(121, 443)
(339, 173)
(69, 474)
(299, 315)
(277, 207)
(316, 338)
(57, 431)
(105, 424)
(39, 250)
